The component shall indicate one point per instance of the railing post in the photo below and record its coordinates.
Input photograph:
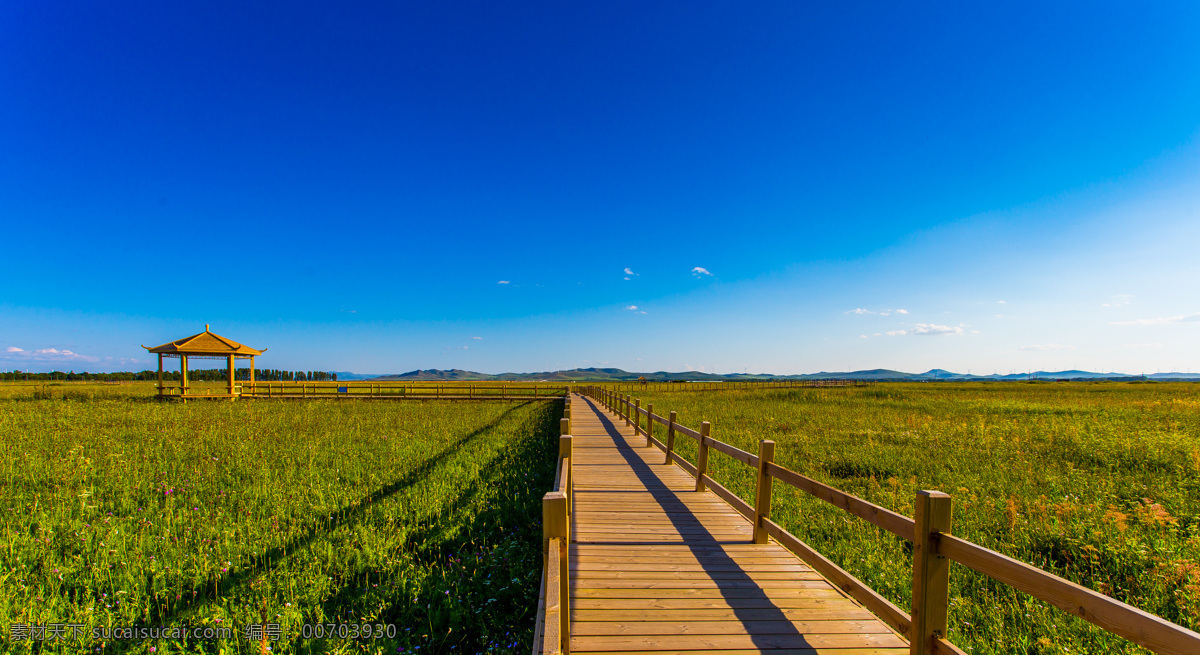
(637, 417)
(564, 426)
(762, 499)
(628, 403)
(649, 425)
(931, 572)
(702, 457)
(670, 436)
(556, 534)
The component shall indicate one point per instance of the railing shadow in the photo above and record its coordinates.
(218, 587)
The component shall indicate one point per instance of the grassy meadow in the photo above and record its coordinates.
(1095, 482)
(121, 511)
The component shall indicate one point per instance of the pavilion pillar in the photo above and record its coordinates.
(252, 368)
(231, 361)
(182, 376)
(160, 389)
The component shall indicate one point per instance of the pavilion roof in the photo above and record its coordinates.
(205, 343)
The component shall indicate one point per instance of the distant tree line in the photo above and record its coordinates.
(272, 375)
(201, 375)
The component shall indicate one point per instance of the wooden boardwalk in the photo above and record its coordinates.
(656, 567)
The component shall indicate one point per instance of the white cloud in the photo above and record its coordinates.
(1161, 320)
(502, 282)
(897, 333)
(699, 271)
(933, 329)
(886, 312)
(629, 271)
(634, 309)
(1001, 302)
(1049, 346)
(901, 311)
(862, 336)
(1119, 300)
(48, 355)
(477, 338)
(859, 310)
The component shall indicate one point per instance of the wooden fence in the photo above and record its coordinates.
(554, 602)
(360, 390)
(929, 530)
(660, 386)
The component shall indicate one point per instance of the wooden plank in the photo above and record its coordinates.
(592, 576)
(672, 559)
(712, 597)
(733, 626)
(756, 651)
(1138, 626)
(592, 565)
(693, 615)
(624, 643)
(698, 583)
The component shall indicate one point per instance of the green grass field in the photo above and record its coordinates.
(1099, 483)
(121, 511)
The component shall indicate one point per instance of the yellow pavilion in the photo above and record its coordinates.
(205, 345)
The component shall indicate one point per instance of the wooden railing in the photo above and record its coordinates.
(381, 389)
(933, 545)
(660, 386)
(554, 608)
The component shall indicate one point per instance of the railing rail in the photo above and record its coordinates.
(376, 389)
(934, 546)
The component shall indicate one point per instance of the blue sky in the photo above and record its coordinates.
(379, 187)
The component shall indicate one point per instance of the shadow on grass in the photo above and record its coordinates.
(489, 562)
(350, 514)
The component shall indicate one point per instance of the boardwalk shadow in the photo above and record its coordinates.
(749, 602)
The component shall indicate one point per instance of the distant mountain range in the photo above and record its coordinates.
(619, 375)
